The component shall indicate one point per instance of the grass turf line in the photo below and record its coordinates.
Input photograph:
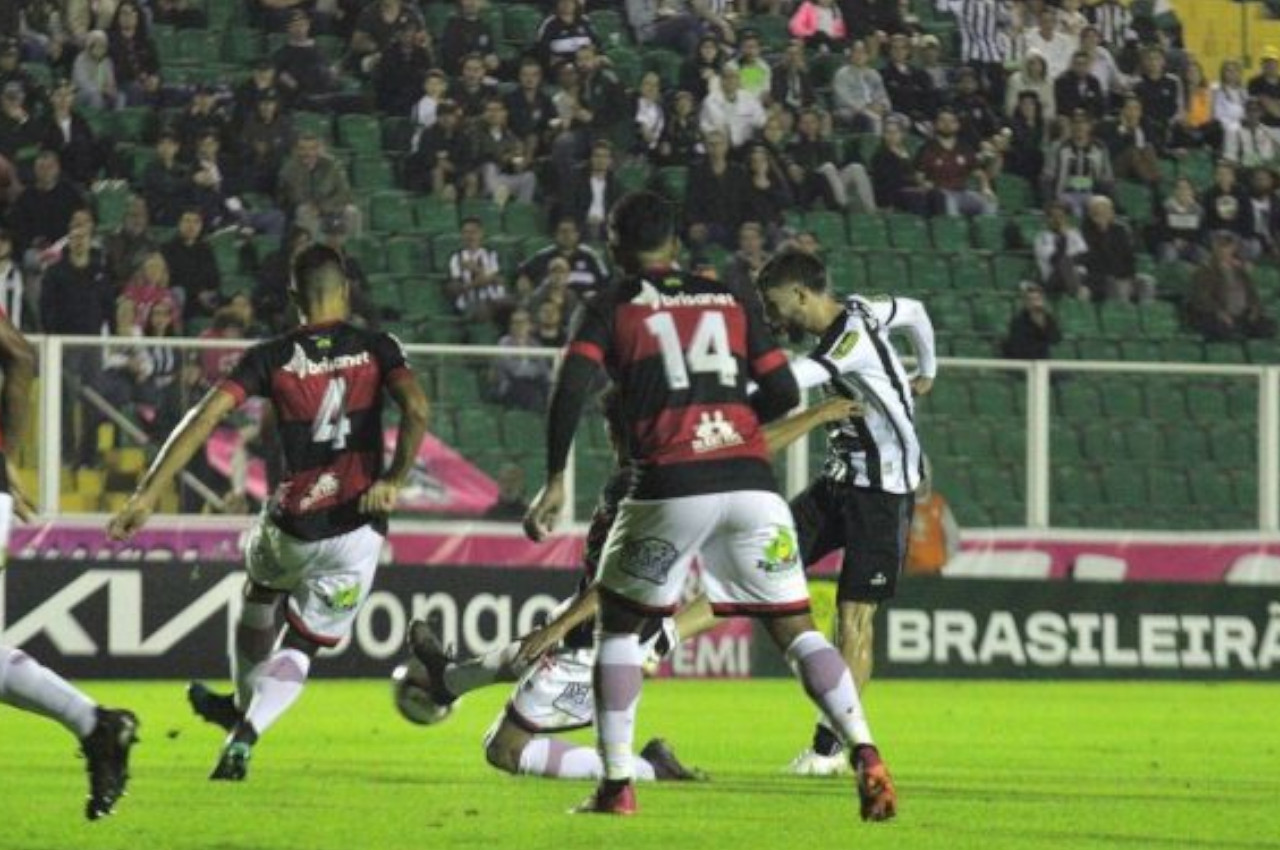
(978, 765)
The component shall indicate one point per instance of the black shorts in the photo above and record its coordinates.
(871, 526)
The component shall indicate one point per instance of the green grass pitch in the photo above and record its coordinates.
(978, 765)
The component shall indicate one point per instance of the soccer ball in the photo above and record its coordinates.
(410, 689)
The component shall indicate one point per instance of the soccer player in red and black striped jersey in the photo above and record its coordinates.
(681, 350)
(315, 550)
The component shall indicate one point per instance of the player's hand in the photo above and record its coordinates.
(537, 644)
(838, 409)
(131, 518)
(23, 508)
(380, 499)
(541, 517)
(921, 386)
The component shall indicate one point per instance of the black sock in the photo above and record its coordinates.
(825, 742)
(244, 733)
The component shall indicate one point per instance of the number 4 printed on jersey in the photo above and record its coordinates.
(331, 424)
(708, 351)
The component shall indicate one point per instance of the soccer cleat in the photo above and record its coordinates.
(426, 647)
(106, 751)
(876, 794)
(666, 767)
(610, 798)
(811, 763)
(233, 764)
(218, 709)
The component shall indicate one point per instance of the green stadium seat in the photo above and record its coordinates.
(909, 232)
(951, 234)
(226, 253)
(110, 198)
(1182, 350)
(971, 443)
(1139, 351)
(627, 65)
(1011, 438)
(1134, 201)
(1245, 484)
(368, 252)
(950, 311)
(1186, 440)
(385, 291)
(1125, 485)
(1242, 399)
(989, 232)
(1122, 399)
(1074, 486)
(1064, 442)
(868, 231)
(478, 428)
(1168, 486)
(665, 63)
(1098, 349)
(848, 271)
(1212, 488)
(974, 345)
(930, 272)
(314, 122)
(1165, 399)
(1144, 442)
(520, 24)
(1233, 444)
(1102, 442)
(1120, 321)
(971, 273)
(1077, 320)
(1205, 403)
(771, 28)
(442, 247)
(391, 212)
(991, 314)
(948, 398)
(1078, 399)
(1265, 352)
(1225, 352)
(372, 174)
(886, 270)
(1010, 270)
(406, 256)
(361, 133)
(633, 176)
(828, 227)
(673, 180)
(489, 214)
(610, 26)
(1013, 193)
(524, 220)
(432, 214)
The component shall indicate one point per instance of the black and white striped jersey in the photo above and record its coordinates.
(854, 358)
(986, 28)
(1114, 22)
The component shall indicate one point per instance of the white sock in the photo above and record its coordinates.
(276, 686)
(32, 687)
(617, 680)
(497, 666)
(827, 680)
(552, 757)
(256, 634)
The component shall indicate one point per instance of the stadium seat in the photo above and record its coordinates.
(672, 181)
(971, 273)
(361, 133)
(886, 271)
(665, 63)
(1144, 441)
(828, 228)
(442, 247)
(848, 271)
(1205, 403)
(431, 214)
(1098, 349)
(1182, 350)
(1125, 485)
(1211, 488)
(1102, 442)
(1078, 399)
(520, 24)
(489, 214)
(930, 273)
(372, 174)
(1165, 399)
(1242, 399)
(1120, 321)
(1139, 351)
(991, 314)
(1013, 193)
(405, 256)
(391, 212)
(1074, 485)
(1225, 352)
(1233, 444)
(1168, 486)
(868, 232)
(1010, 270)
(1122, 399)
(948, 398)
(971, 443)
(951, 234)
(1077, 320)
(909, 232)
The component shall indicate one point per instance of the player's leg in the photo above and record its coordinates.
(257, 630)
(855, 635)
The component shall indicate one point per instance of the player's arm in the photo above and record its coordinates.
(538, 643)
(187, 438)
(910, 317)
(19, 361)
(779, 435)
(408, 395)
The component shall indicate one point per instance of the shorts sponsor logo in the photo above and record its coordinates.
(576, 700)
(879, 580)
(715, 432)
(781, 553)
(341, 597)
(649, 559)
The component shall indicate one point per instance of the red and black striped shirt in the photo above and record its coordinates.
(326, 383)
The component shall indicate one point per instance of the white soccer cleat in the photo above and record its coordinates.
(809, 763)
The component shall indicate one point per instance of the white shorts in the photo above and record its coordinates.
(6, 525)
(747, 541)
(327, 580)
(555, 695)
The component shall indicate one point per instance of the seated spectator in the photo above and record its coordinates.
(1028, 134)
(1102, 63)
(978, 122)
(677, 24)
(94, 75)
(1264, 213)
(179, 13)
(556, 289)
(681, 139)
(402, 71)
(859, 98)
(820, 24)
(1054, 45)
(144, 374)
(191, 263)
(511, 503)
(465, 33)
(550, 329)
(1266, 88)
(475, 276)
(13, 292)
(935, 534)
(505, 169)
(133, 51)
(594, 191)
(714, 195)
(303, 74)
(910, 89)
(767, 195)
(1079, 90)
(898, 182)
(649, 116)
(702, 70)
(754, 74)
(377, 27)
(1072, 21)
(313, 185)
(42, 213)
(1112, 273)
(64, 130)
(217, 363)
(435, 87)
(735, 113)
(1230, 96)
(1078, 167)
(1198, 129)
(563, 32)
(950, 167)
(203, 115)
(151, 287)
(20, 132)
(1226, 204)
(1162, 97)
(931, 62)
(587, 272)
(1033, 331)
(792, 86)
(213, 181)
(260, 83)
(130, 244)
(265, 139)
(443, 162)
(1033, 78)
(472, 89)
(815, 175)
(530, 110)
(748, 260)
(166, 182)
(43, 32)
(1181, 226)
(1061, 253)
(1224, 303)
(520, 381)
(603, 94)
(1249, 143)
(80, 17)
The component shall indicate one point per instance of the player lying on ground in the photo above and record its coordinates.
(681, 349)
(863, 500)
(315, 550)
(106, 735)
(553, 664)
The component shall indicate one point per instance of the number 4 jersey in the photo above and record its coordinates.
(326, 383)
(681, 349)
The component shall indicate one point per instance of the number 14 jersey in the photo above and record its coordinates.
(326, 383)
(682, 349)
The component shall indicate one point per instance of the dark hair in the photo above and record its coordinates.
(471, 219)
(641, 222)
(316, 271)
(793, 267)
